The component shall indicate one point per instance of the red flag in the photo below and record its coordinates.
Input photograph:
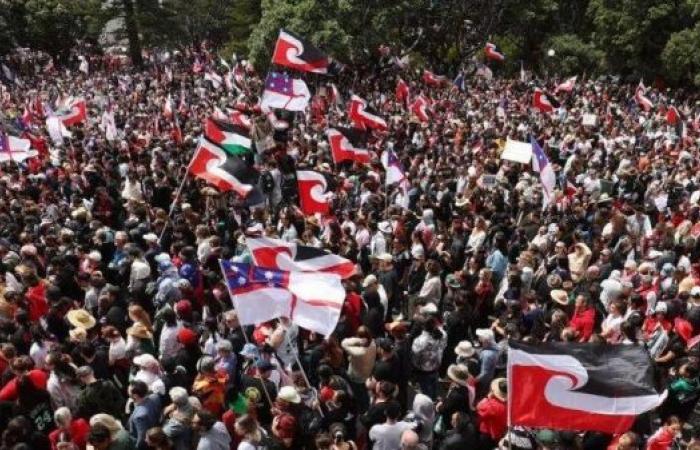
(312, 192)
(641, 98)
(493, 53)
(672, 115)
(420, 108)
(294, 52)
(402, 91)
(77, 113)
(544, 102)
(431, 79)
(362, 117)
(343, 149)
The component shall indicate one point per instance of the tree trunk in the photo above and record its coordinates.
(132, 33)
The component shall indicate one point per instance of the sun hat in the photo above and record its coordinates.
(289, 394)
(499, 389)
(458, 373)
(465, 349)
(139, 330)
(80, 318)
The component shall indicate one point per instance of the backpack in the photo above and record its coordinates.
(267, 182)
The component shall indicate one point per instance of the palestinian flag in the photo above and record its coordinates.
(235, 139)
(224, 171)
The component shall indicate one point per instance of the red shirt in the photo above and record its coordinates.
(583, 322)
(352, 309)
(650, 324)
(9, 391)
(78, 431)
(38, 307)
(493, 415)
(661, 440)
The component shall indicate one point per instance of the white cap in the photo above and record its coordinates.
(369, 279)
(95, 256)
(485, 334)
(150, 237)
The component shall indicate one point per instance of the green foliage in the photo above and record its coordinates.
(680, 57)
(573, 55)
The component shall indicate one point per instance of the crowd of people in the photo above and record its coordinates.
(117, 331)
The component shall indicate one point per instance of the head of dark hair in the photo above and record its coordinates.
(169, 317)
(206, 419)
(139, 388)
(98, 434)
(392, 410)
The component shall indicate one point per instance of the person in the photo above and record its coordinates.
(459, 398)
(488, 357)
(69, 429)
(212, 433)
(157, 440)
(249, 431)
(108, 434)
(178, 416)
(426, 354)
(387, 435)
(362, 354)
(492, 415)
(146, 413)
(98, 396)
(462, 435)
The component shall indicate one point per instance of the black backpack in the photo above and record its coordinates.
(267, 182)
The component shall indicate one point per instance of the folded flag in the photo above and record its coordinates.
(73, 113)
(224, 171)
(283, 92)
(566, 86)
(402, 91)
(493, 53)
(294, 52)
(345, 146)
(363, 117)
(393, 167)
(431, 79)
(278, 254)
(15, 149)
(544, 102)
(641, 98)
(541, 165)
(421, 108)
(591, 387)
(313, 197)
(310, 300)
(235, 139)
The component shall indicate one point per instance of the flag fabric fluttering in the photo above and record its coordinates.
(544, 102)
(345, 146)
(566, 86)
(580, 386)
(84, 66)
(393, 167)
(73, 112)
(640, 97)
(214, 78)
(235, 139)
(259, 294)
(313, 197)
(294, 52)
(421, 108)
(284, 92)
(459, 82)
(15, 149)
(281, 255)
(224, 171)
(431, 79)
(493, 53)
(168, 107)
(402, 91)
(362, 117)
(541, 165)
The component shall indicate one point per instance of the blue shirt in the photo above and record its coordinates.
(498, 264)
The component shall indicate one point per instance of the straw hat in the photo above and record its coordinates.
(78, 334)
(139, 330)
(560, 296)
(465, 349)
(289, 395)
(499, 389)
(458, 373)
(80, 318)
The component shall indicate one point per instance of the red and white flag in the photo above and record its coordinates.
(278, 254)
(566, 86)
(431, 79)
(673, 116)
(421, 108)
(313, 197)
(294, 52)
(402, 92)
(74, 113)
(544, 102)
(641, 98)
(493, 53)
(168, 107)
(363, 117)
(342, 147)
(310, 300)
(580, 386)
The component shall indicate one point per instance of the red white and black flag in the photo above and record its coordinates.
(278, 254)
(363, 117)
(294, 52)
(347, 145)
(544, 102)
(596, 387)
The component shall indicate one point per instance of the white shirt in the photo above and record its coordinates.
(386, 436)
(613, 323)
(377, 244)
(168, 345)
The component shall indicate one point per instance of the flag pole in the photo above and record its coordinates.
(509, 424)
(245, 336)
(306, 380)
(172, 205)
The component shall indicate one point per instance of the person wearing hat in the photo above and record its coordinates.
(493, 414)
(140, 339)
(80, 318)
(210, 385)
(376, 305)
(467, 356)
(459, 397)
(149, 372)
(189, 353)
(488, 357)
